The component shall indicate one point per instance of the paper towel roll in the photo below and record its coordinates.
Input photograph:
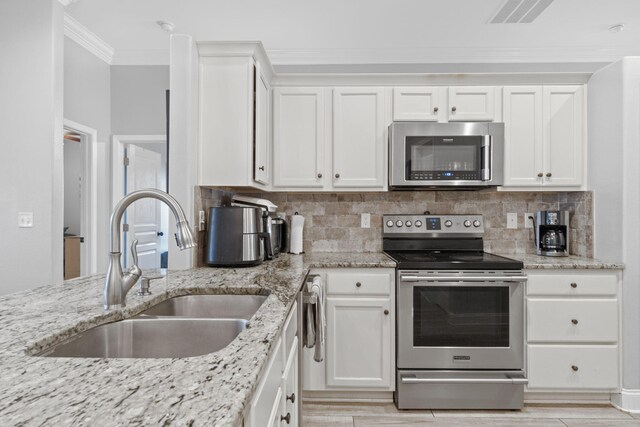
(295, 244)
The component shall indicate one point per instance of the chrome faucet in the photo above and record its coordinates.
(118, 283)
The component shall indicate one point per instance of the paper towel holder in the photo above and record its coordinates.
(291, 230)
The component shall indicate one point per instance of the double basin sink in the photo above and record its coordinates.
(183, 326)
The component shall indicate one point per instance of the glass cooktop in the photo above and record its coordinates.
(453, 260)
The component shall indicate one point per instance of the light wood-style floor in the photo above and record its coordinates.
(386, 414)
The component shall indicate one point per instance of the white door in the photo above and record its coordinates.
(523, 136)
(298, 137)
(359, 342)
(261, 169)
(418, 103)
(143, 216)
(563, 140)
(472, 103)
(358, 137)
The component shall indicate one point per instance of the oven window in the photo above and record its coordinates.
(447, 316)
(438, 157)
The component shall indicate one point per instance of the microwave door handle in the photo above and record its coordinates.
(486, 157)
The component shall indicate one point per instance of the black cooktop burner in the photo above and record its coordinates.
(453, 260)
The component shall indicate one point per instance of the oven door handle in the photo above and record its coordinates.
(413, 380)
(463, 278)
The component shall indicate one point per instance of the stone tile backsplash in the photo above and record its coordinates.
(332, 221)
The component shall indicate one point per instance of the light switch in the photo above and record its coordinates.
(25, 219)
(512, 220)
(365, 220)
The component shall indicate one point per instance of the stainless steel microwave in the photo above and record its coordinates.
(460, 155)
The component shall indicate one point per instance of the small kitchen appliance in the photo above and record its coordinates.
(445, 155)
(235, 237)
(552, 233)
(273, 225)
(460, 315)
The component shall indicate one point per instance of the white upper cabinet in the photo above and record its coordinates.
(262, 161)
(543, 136)
(359, 148)
(472, 103)
(298, 137)
(422, 103)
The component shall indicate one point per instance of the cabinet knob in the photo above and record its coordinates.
(292, 398)
(453, 109)
(337, 175)
(319, 175)
(286, 418)
(358, 284)
(540, 175)
(574, 285)
(386, 312)
(261, 168)
(548, 174)
(574, 367)
(574, 321)
(435, 109)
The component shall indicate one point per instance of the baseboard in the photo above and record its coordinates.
(347, 396)
(627, 400)
(564, 398)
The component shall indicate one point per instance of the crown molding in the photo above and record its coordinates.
(141, 57)
(66, 3)
(435, 55)
(87, 39)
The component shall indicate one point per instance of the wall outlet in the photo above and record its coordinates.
(512, 220)
(365, 220)
(202, 221)
(528, 223)
(25, 219)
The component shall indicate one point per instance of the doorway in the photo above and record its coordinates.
(80, 200)
(140, 162)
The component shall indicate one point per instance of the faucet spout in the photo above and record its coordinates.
(118, 283)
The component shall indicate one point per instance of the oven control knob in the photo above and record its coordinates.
(389, 223)
(467, 223)
(418, 223)
(408, 224)
(399, 223)
(476, 223)
(448, 223)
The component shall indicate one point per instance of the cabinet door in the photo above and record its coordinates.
(298, 137)
(359, 342)
(522, 135)
(563, 135)
(261, 169)
(358, 137)
(417, 103)
(471, 103)
(289, 387)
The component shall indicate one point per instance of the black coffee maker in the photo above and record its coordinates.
(552, 233)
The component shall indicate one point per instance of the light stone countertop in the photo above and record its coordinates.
(210, 390)
(532, 262)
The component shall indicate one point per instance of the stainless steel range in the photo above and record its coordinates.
(460, 315)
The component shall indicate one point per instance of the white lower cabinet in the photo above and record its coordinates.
(573, 330)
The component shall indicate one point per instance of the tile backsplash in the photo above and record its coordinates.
(332, 221)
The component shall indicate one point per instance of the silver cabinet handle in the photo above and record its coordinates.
(406, 380)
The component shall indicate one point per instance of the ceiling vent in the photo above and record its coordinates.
(520, 11)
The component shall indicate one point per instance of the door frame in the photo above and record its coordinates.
(89, 214)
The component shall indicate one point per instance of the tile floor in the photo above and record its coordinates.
(386, 414)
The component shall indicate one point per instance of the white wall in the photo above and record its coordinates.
(31, 48)
(614, 176)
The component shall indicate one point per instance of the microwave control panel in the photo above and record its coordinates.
(432, 224)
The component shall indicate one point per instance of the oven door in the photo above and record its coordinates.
(450, 320)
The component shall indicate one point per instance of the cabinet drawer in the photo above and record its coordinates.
(289, 331)
(572, 320)
(357, 283)
(572, 284)
(263, 400)
(573, 367)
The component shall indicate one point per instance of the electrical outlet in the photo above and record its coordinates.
(528, 223)
(202, 222)
(365, 220)
(25, 219)
(512, 220)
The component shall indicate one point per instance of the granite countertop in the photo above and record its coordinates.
(212, 389)
(532, 261)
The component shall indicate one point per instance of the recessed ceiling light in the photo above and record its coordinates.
(616, 28)
(166, 26)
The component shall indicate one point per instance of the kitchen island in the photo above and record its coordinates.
(213, 389)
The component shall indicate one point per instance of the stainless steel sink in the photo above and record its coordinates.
(152, 338)
(208, 306)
